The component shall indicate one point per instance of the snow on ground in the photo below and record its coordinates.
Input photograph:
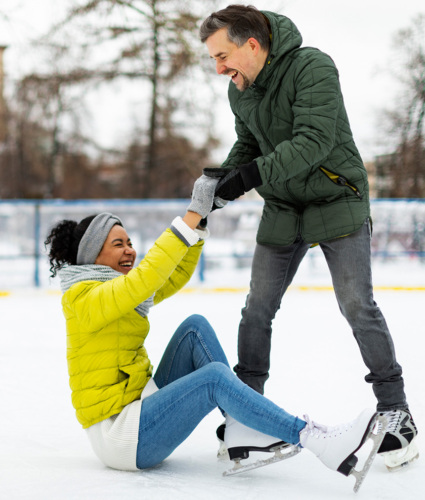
(316, 369)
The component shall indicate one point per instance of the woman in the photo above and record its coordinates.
(135, 420)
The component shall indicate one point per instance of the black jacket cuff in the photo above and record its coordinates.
(250, 175)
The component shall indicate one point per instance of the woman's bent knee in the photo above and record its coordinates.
(218, 369)
(198, 322)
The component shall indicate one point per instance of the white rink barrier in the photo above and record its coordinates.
(398, 233)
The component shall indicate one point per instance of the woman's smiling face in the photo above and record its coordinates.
(117, 251)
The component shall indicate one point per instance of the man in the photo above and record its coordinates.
(295, 146)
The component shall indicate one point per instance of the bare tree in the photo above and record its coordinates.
(151, 41)
(41, 104)
(406, 167)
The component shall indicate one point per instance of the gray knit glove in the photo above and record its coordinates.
(203, 195)
(219, 202)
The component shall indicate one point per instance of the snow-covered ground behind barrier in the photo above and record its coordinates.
(398, 233)
(316, 369)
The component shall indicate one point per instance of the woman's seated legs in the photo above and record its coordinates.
(170, 415)
(193, 345)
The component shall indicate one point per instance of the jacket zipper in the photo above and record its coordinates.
(272, 148)
(257, 121)
(295, 201)
(341, 181)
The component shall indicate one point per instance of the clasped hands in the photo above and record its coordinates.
(217, 186)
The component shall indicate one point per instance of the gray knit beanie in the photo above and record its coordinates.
(95, 236)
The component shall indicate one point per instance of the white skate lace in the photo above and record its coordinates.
(322, 431)
(393, 419)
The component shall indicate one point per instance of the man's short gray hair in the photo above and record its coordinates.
(242, 22)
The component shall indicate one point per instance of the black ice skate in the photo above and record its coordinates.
(336, 446)
(398, 448)
(222, 453)
(240, 440)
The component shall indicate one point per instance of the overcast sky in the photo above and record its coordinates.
(356, 34)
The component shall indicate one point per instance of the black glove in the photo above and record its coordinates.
(235, 182)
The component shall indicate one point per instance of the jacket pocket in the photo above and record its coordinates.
(279, 225)
(340, 180)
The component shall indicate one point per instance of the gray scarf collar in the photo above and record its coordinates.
(93, 272)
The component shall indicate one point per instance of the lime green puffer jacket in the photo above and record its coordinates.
(292, 122)
(107, 362)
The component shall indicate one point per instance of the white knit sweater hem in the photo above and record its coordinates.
(202, 233)
(115, 439)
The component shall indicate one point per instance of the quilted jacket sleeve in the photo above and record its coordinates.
(181, 275)
(97, 304)
(245, 148)
(316, 111)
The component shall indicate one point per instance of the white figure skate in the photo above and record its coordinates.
(240, 440)
(336, 446)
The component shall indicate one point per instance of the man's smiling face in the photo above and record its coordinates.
(242, 64)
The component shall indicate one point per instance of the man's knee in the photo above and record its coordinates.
(355, 306)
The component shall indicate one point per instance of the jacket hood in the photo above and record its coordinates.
(285, 37)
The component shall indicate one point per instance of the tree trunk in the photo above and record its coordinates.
(151, 162)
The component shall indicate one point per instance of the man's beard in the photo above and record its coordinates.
(246, 83)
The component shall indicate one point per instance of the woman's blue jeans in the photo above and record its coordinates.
(193, 378)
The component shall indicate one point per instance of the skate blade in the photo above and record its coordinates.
(376, 434)
(400, 459)
(289, 451)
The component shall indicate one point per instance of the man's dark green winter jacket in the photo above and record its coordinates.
(293, 122)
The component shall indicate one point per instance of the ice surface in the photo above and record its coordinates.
(316, 369)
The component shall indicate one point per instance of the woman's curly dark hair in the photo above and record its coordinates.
(63, 240)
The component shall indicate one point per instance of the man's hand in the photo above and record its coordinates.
(235, 182)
